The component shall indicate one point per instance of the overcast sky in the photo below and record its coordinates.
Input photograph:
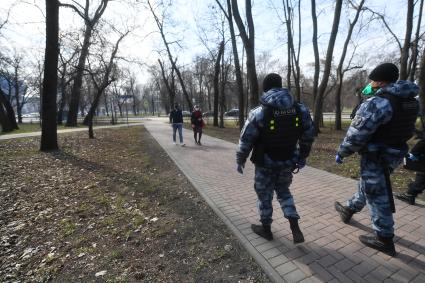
(25, 31)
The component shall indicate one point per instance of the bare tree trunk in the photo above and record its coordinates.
(17, 90)
(340, 73)
(316, 52)
(414, 58)
(248, 39)
(106, 105)
(224, 75)
(293, 56)
(78, 81)
(238, 73)
(50, 81)
(90, 24)
(8, 111)
(209, 97)
(106, 81)
(4, 121)
(91, 133)
(288, 20)
(62, 101)
(171, 94)
(406, 46)
(216, 81)
(318, 106)
(421, 82)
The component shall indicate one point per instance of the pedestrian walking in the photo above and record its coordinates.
(197, 124)
(176, 121)
(379, 132)
(280, 133)
(416, 159)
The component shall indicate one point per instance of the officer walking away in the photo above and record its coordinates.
(379, 132)
(417, 155)
(280, 132)
(176, 121)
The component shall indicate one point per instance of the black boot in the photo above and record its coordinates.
(344, 211)
(297, 235)
(410, 199)
(263, 231)
(382, 244)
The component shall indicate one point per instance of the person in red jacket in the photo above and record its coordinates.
(197, 124)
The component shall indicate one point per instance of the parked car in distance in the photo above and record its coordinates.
(208, 114)
(186, 113)
(232, 113)
(31, 115)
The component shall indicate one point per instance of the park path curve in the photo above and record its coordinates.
(331, 252)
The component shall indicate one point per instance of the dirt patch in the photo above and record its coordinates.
(111, 209)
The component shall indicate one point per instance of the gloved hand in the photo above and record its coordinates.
(339, 159)
(412, 157)
(240, 168)
(301, 163)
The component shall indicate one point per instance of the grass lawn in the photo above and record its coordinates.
(35, 127)
(29, 128)
(111, 209)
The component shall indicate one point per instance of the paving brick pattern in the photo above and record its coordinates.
(331, 252)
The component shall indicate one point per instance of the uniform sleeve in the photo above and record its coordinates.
(249, 135)
(307, 136)
(372, 113)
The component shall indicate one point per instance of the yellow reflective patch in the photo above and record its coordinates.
(271, 127)
(271, 121)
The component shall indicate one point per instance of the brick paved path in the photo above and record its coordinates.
(332, 251)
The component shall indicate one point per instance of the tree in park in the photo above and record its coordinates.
(168, 82)
(318, 103)
(160, 24)
(67, 60)
(102, 77)
(7, 114)
(340, 69)
(229, 16)
(90, 21)
(421, 83)
(408, 48)
(216, 81)
(248, 39)
(50, 82)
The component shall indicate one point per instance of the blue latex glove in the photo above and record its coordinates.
(240, 168)
(412, 157)
(338, 159)
(301, 163)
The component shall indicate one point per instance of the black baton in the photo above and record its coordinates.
(389, 188)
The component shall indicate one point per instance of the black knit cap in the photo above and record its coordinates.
(272, 80)
(386, 72)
